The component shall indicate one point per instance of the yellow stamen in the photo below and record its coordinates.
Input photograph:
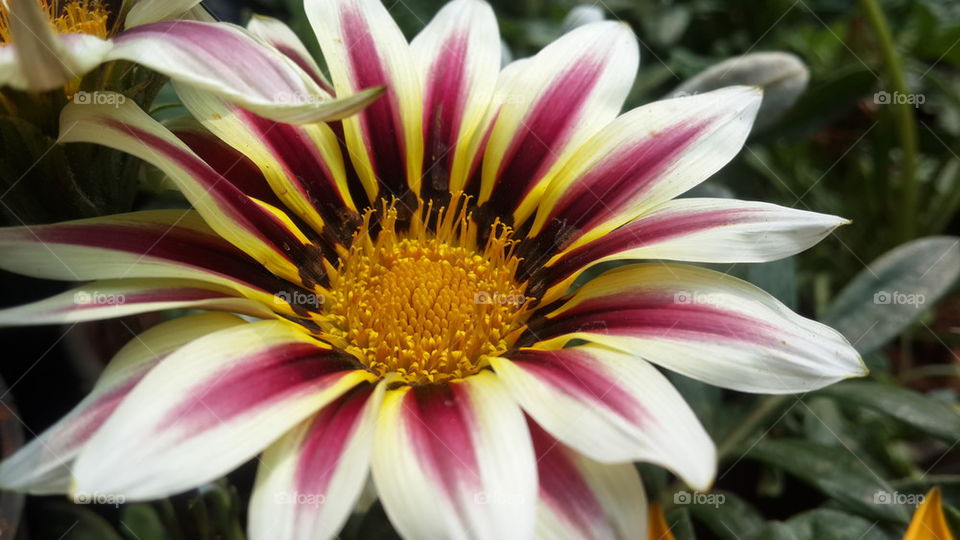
(426, 304)
(70, 17)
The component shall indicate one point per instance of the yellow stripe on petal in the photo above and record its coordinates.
(929, 522)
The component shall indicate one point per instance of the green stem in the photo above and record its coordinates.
(903, 115)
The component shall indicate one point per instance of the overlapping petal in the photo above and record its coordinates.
(706, 325)
(209, 407)
(283, 38)
(43, 465)
(364, 48)
(148, 11)
(699, 230)
(644, 158)
(455, 460)
(309, 481)
(458, 53)
(563, 95)
(583, 499)
(611, 406)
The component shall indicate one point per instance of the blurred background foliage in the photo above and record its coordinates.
(829, 464)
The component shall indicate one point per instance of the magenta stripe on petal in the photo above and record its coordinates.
(178, 245)
(181, 294)
(326, 440)
(302, 162)
(380, 123)
(235, 167)
(643, 232)
(542, 133)
(671, 315)
(444, 104)
(562, 486)
(256, 382)
(567, 371)
(439, 420)
(614, 183)
(304, 64)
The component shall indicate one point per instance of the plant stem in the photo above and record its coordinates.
(903, 116)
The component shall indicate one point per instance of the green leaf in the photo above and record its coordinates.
(917, 410)
(680, 525)
(71, 522)
(823, 524)
(894, 291)
(836, 473)
(731, 518)
(141, 522)
(778, 278)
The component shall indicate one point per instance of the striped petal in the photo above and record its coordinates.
(209, 407)
(224, 59)
(151, 244)
(455, 461)
(148, 11)
(564, 94)
(583, 499)
(364, 48)
(459, 56)
(309, 481)
(302, 164)
(700, 230)
(43, 465)
(122, 297)
(39, 58)
(645, 158)
(252, 227)
(281, 37)
(612, 407)
(705, 325)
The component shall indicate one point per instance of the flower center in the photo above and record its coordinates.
(427, 305)
(70, 17)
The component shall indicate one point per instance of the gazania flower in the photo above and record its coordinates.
(49, 44)
(413, 266)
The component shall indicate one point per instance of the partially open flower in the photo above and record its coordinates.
(414, 267)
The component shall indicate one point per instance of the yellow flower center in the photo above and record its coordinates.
(427, 305)
(70, 17)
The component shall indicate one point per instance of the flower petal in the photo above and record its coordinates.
(209, 407)
(700, 230)
(148, 11)
(612, 407)
(224, 59)
(459, 56)
(929, 521)
(150, 244)
(122, 297)
(43, 465)
(705, 325)
(455, 461)
(40, 59)
(309, 481)
(565, 94)
(237, 218)
(583, 499)
(364, 48)
(281, 37)
(302, 164)
(645, 158)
